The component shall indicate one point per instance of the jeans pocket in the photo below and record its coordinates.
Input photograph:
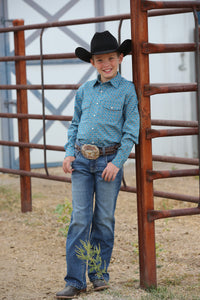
(101, 163)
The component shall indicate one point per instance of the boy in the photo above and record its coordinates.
(104, 128)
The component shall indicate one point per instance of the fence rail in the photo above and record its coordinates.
(139, 14)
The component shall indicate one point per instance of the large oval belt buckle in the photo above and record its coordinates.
(90, 151)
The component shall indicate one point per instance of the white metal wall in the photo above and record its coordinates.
(164, 68)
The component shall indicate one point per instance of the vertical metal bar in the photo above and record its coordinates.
(99, 11)
(43, 102)
(198, 83)
(119, 40)
(4, 151)
(23, 128)
(120, 71)
(145, 202)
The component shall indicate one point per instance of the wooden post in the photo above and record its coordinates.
(23, 128)
(145, 201)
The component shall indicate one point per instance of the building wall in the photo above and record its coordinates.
(164, 68)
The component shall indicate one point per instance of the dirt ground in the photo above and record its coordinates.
(32, 251)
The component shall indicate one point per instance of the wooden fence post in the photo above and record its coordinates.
(23, 128)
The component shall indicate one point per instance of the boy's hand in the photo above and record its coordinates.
(67, 168)
(110, 172)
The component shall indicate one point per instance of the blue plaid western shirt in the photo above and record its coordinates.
(105, 114)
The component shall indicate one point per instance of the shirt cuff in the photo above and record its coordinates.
(69, 152)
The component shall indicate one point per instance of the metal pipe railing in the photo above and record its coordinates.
(43, 103)
(152, 175)
(197, 30)
(150, 48)
(140, 11)
(110, 18)
(148, 5)
(153, 133)
(160, 88)
(161, 214)
(39, 86)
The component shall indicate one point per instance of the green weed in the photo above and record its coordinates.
(91, 256)
(63, 212)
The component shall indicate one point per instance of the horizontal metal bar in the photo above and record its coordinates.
(31, 145)
(36, 117)
(166, 195)
(93, 20)
(119, 17)
(148, 48)
(148, 5)
(176, 160)
(174, 196)
(67, 23)
(161, 88)
(161, 214)
(170, 11)
(149, 90)
(128, 189)
(35, 174)
(152, 175)
(39, 87)
(37, 57)
(153, 133)
(178, 123)
(174, 123)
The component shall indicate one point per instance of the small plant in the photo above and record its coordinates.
(135, 248)
(64, 214)
(91, 256)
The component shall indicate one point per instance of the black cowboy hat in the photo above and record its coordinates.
(103, 42)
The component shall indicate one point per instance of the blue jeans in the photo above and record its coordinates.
(91, 220)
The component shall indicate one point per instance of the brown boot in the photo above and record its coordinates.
(69, 292)
(100, 284)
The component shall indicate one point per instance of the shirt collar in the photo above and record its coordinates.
(114, 81)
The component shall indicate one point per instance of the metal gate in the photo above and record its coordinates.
(65, 38)
(140, 12)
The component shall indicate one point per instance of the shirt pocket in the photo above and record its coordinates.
(86, 105)
(113, 112)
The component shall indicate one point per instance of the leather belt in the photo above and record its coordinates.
(93, 152)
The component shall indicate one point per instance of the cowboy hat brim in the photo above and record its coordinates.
(83, 54)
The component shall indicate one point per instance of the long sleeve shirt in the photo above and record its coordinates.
(105, 114)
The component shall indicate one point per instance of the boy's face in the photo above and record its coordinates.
(107, 64)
